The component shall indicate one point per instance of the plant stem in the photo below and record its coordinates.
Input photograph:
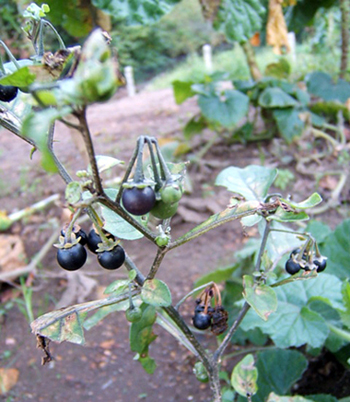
(85, 131)
(263, 244)
(340, 332)
(220, 350)
(251, 60)
(156, 263)
(61, 169)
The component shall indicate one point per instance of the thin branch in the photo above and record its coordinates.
(220, 350)
(156, 263)
(85, 131)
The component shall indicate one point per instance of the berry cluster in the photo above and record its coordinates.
(71, 253)
(206, 316)
(305, 260)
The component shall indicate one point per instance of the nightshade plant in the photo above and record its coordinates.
(77, 79)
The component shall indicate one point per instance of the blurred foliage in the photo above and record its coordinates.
(153, 48)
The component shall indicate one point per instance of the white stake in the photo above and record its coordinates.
(207, 58)
(130, 83)
(292, 45)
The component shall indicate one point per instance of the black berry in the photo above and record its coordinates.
(138, 201)
(112, 259)
(93, 240)
(72, 258)
(321, 264)
(78, 233)
(292, 267)
(8, 93)
(201, 321)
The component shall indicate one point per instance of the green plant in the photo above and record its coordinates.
(267, 295)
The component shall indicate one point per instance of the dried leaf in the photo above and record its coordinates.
(12, 253)
(8, 379)
(276, 29)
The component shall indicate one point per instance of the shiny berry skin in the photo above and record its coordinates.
(72, 258)
(80, 233)
(292, 267)
(133, 314)
(93, 240)
(201, 321)
(321, 264)
(138, 201)
(8, 93)
(171, 193)
(112, 259)
(162, 210)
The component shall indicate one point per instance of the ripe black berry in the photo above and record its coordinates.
(138, 201)
(292, 267)
(201, 321)
(72, 258)
(321, 264)
(93, 240)
(78, 233)
(8, 93)
(112, 259)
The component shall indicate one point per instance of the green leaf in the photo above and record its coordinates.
(310, 202)
(73, 192)
(156, 293)
(148, 364)
(289, 123)
(229, 214)
(261, 298)
(319, 230)
(194, 126)
(275, 398)
(67, 324)
(103, 312)
(336, 249)
(345, 316)
(320, 84)
(282, 215)
(238, 19)
(105, 162)
(293, 323)
(244, 376)
(280, 69)
(275, 97)
(21, 78)
(217, 276)
(36, 127)
(278, 371)
(182, 90)
(227, 109)
(35, 12)
(117, 287)
(115, 224)
(252, 182)
(139, 12)
(141, 336)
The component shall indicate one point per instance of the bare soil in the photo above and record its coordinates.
(103, 369)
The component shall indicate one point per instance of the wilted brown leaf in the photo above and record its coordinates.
(276, 29)
(8, 379)
(12, 253)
